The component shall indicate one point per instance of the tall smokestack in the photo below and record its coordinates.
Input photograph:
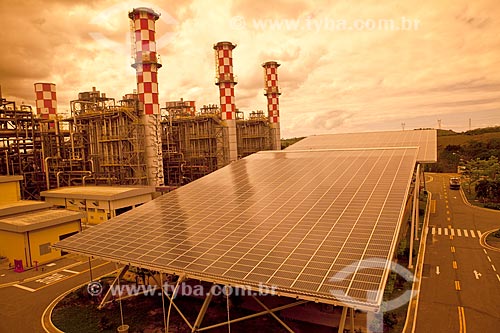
(46, 101)
(226, 82)
(272, 92)
(146, 66)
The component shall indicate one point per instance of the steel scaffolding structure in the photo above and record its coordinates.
(103, 142)
(193, 146)
(20, 150)
(109, 137)
(253, 134)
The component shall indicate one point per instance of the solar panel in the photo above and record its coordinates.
(426, 140)
(287, 219)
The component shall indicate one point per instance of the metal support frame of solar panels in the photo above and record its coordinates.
(311, 201)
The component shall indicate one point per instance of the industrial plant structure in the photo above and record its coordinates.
(133, 140)
(317, 223)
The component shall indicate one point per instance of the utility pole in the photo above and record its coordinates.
(439, 123)
(403, 125)
(470, 124)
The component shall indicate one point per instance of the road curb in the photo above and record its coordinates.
(483, 243)
(467, 203)
(46, 319)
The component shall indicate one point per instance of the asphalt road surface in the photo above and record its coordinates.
(22, 305)
(460, 290)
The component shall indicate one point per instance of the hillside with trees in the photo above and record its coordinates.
(476, 153)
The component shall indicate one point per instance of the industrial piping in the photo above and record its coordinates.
(272, 92)
(226, 82)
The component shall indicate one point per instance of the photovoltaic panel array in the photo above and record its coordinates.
(426, 140)
(316, 225)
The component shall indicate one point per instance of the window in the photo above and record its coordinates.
(122, 210)
(45, 249)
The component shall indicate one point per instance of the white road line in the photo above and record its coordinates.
(439, 230)
(51, 278)
(75, 272)
(459, 232)
(487, 257)
(498, 277)
(23, 287)
(472, 233)
(484, 250)
(433, 230)
(452, 231)
(466, 234)
(479, 234)
(493, 267)
(445, 229)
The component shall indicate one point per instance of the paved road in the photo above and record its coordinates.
(460, 289)
(22, 305)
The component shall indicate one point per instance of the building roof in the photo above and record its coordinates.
(317, 225)
(97, 192)
(425, 140)
(37, 219)
(21, 206)
(8, 179)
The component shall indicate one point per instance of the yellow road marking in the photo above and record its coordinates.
(451, 237)
(448, 219)
(461, 319)
(455, 264)
(433, 206)
(457, 285)
(447, 207)
(452, 249)
(447, 212)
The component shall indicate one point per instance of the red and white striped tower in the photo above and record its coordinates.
(46, 101)
(272, 92)
(146, 66)
(226, 82)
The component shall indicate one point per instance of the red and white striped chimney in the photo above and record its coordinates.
(226, 81)
(46, 101)
(146, 66)
(272, 92)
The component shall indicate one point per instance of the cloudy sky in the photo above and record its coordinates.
(345, 66)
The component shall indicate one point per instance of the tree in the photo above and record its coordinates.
(483, 189)
(478, 168)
